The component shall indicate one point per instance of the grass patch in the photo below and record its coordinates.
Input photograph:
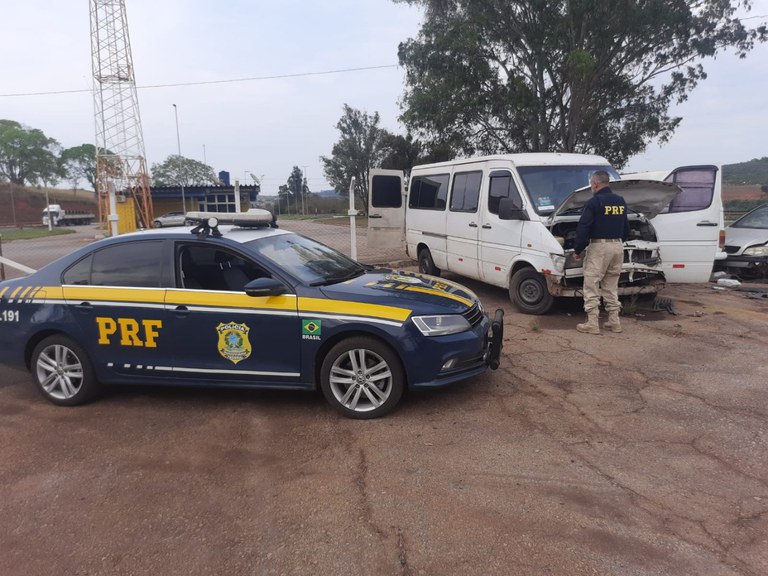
(11, 234)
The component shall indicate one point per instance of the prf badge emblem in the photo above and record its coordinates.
(233, 341)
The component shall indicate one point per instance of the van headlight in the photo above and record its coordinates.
(756, 251)
(558, 262)
(441, 325)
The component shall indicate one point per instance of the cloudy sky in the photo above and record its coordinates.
(303, 61)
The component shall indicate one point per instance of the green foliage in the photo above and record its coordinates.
(27, 155)
(79, 162)
(293, 197)
(31, 233)
(592, 76)
(753, 172)
(181, 171)
(358, 150)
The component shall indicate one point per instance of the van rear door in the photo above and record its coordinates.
(386, 209)
(688, 229)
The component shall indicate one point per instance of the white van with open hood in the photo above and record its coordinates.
(510, 220)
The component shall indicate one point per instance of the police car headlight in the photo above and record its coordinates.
(558, 262)
(756, 251)
(441, 325)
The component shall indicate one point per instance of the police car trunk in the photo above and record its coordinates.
(642, 271)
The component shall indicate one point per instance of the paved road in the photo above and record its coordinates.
(641, 453)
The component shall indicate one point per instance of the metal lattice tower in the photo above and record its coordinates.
(121, 167)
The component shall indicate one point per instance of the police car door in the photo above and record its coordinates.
(221, 334)
(688, 230)
(115, 295)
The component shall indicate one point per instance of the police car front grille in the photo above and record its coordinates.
(474, 315)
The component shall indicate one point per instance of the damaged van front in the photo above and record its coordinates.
(642, 270)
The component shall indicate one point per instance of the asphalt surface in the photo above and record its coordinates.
(640, 453)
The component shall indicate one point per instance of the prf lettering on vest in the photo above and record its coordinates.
(132, 333)
(614, 210)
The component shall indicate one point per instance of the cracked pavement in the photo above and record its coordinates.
(639, 453)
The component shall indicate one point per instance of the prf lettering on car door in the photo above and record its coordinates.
(131, 331)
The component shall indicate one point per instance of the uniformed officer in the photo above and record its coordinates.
(604, 227)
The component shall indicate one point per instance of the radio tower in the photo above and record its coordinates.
(121, 167)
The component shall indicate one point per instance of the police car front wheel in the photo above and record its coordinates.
(63, 372)
(362, 378)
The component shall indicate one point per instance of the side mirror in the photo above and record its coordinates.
(264, 287)
(508, 210)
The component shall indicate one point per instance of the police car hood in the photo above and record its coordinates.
(647, 197)
(420, 293)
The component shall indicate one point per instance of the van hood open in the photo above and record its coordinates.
(648, 197)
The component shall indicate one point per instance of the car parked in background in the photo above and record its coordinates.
(249, 305)
(746, 245)
(170, 219)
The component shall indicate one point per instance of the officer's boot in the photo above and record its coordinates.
(591, 326)
(613, 324)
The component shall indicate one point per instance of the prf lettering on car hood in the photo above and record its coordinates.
(132, 333)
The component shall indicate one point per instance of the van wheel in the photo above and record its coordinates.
(528, 291)
(426, 264)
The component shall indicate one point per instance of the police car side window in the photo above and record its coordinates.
(212, 268)
(79, 273)
(136, 264)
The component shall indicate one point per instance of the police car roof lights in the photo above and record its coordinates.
(208, 222)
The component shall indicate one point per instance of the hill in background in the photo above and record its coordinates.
(754, 172)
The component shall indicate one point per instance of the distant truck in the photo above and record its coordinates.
(60, 217)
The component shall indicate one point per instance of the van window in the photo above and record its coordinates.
(466, 191)
(428, 192)
(548, 186)
(502, 186)
(386, 192)
(698, 189)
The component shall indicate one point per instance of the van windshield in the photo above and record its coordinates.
(548, 186)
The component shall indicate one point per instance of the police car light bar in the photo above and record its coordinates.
(254, 218)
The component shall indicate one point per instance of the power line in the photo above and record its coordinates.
(205, 82)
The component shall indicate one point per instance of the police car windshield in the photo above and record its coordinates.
(548, 186)
(311, 262)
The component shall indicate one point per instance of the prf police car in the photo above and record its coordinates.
(246, 305)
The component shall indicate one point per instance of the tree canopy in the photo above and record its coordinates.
(79, 162)
(180, 171)
(27, 155)
(591, 76)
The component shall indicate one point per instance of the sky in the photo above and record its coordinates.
(304, 61)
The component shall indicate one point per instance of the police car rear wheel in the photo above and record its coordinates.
(362, 378)
(528, 291)
(63, 372)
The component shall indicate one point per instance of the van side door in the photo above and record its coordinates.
(499, 239)
(463, 223)
(688, 230)
(386, 209)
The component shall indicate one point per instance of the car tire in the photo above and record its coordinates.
(362, 378)
(528, 291)
(426, 264)
(157, 224)
(62, 371)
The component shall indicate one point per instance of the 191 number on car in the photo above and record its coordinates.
(9, 316)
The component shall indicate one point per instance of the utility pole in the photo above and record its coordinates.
(178, 145)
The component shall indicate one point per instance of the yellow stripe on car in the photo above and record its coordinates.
(344, 307)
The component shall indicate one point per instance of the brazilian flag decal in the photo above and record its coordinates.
(310, 327)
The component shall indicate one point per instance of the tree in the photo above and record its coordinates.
(358, 150)
(79, 162)
(403, 152)
(297, 188)
(27, 155)
(180, 171)
(598, 76)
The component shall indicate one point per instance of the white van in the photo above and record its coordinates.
(510, 220)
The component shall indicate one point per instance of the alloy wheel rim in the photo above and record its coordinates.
(59, 372)
(361, 380)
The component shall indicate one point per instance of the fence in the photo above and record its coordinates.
(335, 232)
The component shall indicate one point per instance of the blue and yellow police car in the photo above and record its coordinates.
(236, 301)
